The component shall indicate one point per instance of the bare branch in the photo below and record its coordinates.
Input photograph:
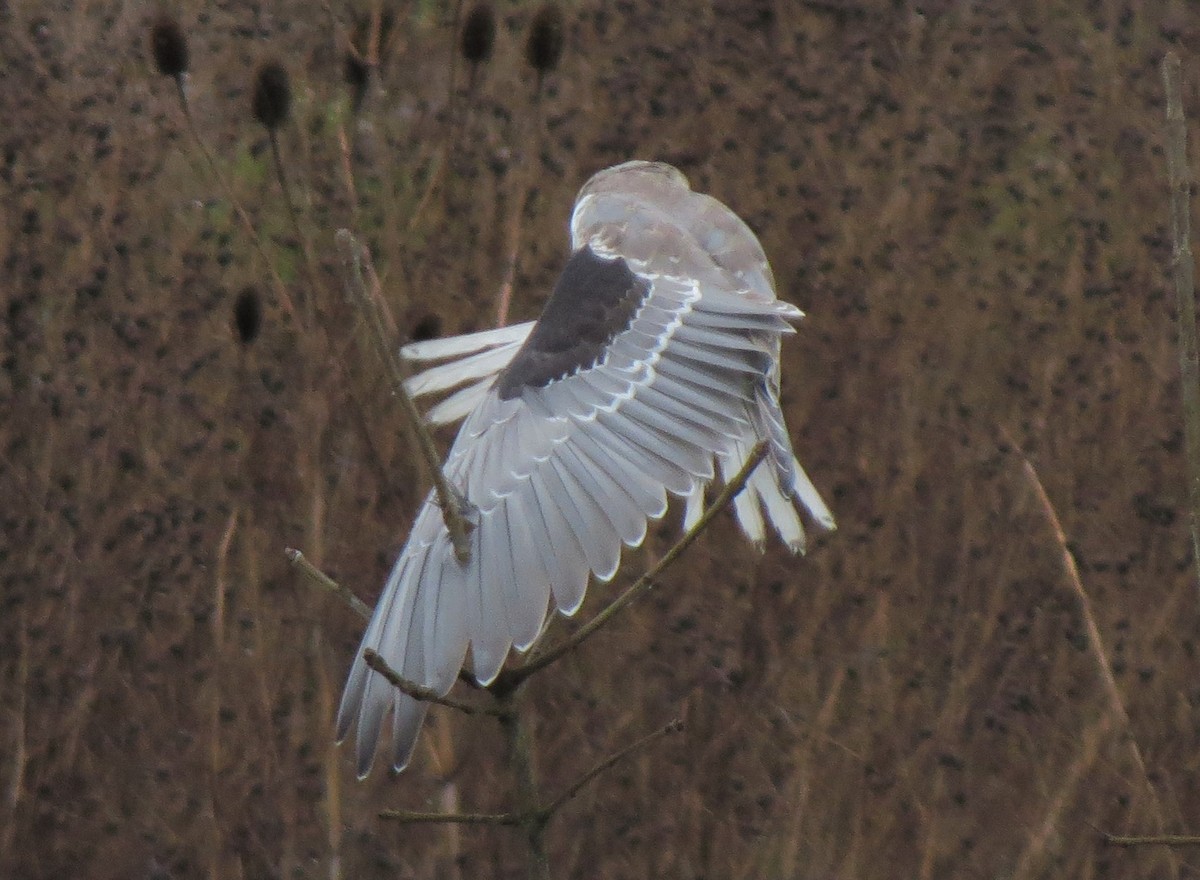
(455, 508)
(427, 695)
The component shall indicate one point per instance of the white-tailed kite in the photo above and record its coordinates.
(656, 355)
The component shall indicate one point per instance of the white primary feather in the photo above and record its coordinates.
(467, 343)
(485, 363)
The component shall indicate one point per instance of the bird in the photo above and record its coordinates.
(654, 366)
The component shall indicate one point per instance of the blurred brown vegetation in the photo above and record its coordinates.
(967, 198)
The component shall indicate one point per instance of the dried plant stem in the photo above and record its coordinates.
(455, 23)
(437, 167)
(17, 749)
(280, 288)
(512, 678)
(526, 162)
(332, 800)
(1095, 641)
(308, 303)
(512, 247)
(1033, 855)
(347, 169)
(1185, 286)
(281, 291)
(455, 508)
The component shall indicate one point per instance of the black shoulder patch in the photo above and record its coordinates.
(593, 301)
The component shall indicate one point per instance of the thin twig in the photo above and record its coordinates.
(1185, 286)
(419, 692)
(1151, 839)
(511, 678)
(673, 727)
(424, 694)
(407, 817)
(455, 507)
(328, 584)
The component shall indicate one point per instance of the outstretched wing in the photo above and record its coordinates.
(650, 362)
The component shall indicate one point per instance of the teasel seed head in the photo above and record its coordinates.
(544, 46)
(247, 315)
(272, 95)
(169, 47)
(478, 34)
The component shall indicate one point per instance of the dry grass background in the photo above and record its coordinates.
(970, 202)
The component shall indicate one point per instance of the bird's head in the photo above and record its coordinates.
(636, 188)
(651, 179)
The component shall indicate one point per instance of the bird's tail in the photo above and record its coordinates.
(773, 490)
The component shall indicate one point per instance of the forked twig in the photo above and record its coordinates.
(455, 507)
(511, 678)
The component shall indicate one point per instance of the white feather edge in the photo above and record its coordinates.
(467, 343)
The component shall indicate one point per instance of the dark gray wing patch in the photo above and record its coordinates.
(594, 300)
